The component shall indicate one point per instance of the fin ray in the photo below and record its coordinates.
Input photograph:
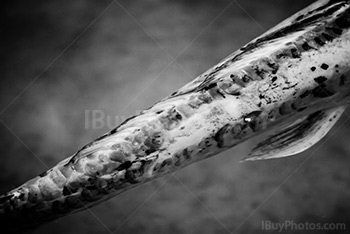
(297, 137)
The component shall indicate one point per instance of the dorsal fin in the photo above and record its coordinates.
(297, 137)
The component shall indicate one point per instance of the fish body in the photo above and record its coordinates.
(294, 80)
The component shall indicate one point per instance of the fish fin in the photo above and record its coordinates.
(297, 137)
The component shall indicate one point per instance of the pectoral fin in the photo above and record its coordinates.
(297, 137)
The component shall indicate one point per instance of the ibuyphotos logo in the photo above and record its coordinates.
(290, 225)
(98, 119)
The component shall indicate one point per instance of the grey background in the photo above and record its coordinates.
(59, 60)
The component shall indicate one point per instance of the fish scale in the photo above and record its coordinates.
(297, 69)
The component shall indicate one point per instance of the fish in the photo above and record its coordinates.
(290, 85)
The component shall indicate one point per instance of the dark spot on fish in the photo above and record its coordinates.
(220, 93)
(210, 86)
(159, 112)
(246, 78)
(301, 109)
(274, 79)
(313, 68)
(245, 130)
(43, 174)
(21, 197)
(295, 53)
(320, 79)
(156, 167)
(237, 80)
(66, 191)
(273, 66)
(293, 106)
(174, 93)
(113, 131)
(299, 17)
(124, 166)
(235, 93)
(156, 141)
(319, 41)
(259, 72)
(271, 114)
(290, 87)
(178, 116)
(324, 66)
(306, 46)
(170, 120)
(207, 143)
(342, 23)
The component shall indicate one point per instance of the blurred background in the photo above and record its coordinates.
(61, 61)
